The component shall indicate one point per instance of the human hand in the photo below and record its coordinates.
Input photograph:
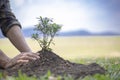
(24, 57)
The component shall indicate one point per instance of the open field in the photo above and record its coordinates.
(73, 47)
(80, 50)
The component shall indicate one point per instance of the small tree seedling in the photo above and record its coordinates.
(46, 30)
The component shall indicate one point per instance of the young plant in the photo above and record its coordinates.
(46, 30)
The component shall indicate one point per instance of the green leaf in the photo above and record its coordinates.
(48, 29)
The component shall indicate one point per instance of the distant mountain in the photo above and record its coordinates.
(76, 33)
(87, 33)
(29, 31)
(108, 33)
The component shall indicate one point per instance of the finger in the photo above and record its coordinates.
(22, 61)
(26, 57)
(34, 55)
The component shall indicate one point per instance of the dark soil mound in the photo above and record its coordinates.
(58, 66)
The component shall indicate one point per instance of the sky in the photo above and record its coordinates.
(91, 15)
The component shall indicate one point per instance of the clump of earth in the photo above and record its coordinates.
(49, 61)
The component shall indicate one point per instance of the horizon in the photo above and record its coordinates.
(27, 32)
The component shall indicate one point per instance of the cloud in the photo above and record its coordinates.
(73, 14)
(19, 3)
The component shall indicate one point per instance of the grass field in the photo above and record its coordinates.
(73, 47)
(105, 50)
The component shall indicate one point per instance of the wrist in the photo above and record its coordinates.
(4, 59)
(4, 63)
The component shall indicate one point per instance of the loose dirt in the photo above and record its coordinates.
(57, 65)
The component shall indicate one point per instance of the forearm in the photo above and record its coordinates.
(3, 59)
(16, 37)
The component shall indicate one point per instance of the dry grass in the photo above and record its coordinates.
(73, 47)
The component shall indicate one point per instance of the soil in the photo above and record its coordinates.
(57, 65)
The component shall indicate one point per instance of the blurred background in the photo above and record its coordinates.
(91, 28)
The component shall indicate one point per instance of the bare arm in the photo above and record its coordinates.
(11, 28)
(16, 37)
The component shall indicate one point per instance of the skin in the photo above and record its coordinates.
(17, 39)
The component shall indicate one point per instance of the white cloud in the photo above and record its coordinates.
(71, 14)
(19, 3)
